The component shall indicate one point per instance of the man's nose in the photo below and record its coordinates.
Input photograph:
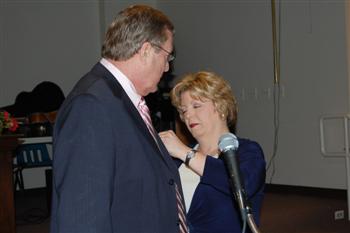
(166, 67)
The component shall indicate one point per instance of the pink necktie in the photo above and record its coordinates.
(145, 114)
(144, 110)
(181, 211)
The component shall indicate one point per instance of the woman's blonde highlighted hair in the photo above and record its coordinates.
(208, 85)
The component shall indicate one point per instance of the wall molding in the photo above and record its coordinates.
(306, 191)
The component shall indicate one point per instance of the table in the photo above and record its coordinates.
(7, 209)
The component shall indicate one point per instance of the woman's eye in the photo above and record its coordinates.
(196, 106)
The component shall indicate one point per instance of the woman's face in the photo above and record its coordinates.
(200, 116)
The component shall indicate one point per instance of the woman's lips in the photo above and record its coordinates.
(193, 125)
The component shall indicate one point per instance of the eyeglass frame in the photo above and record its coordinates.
(171, 56)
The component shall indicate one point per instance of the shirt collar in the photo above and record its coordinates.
(124, 81)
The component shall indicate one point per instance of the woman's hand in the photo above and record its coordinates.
(174, 145)
(179, 150)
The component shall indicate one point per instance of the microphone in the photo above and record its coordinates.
(228, 145)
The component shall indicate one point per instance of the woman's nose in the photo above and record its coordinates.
(188, 114)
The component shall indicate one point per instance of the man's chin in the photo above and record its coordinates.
(153, 90)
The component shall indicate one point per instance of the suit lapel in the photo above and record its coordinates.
(119, 92)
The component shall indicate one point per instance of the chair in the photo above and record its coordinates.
(29, 156)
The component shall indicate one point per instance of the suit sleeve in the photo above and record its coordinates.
(178, 162)
(84, 168)
(252, 169)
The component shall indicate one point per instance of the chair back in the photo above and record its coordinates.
(33, 155)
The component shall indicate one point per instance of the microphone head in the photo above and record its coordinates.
(228, 141)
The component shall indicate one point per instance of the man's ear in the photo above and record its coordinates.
(145, 50)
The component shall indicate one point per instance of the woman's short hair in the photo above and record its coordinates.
(131, 28)
(207, 85)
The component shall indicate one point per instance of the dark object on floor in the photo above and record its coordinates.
(31, 210)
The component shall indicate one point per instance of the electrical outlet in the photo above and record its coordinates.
(338, 214)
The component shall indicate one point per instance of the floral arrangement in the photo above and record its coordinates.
(7, 122)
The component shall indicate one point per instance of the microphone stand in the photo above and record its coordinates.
(246, 211)
(251, 224)
(228, 145)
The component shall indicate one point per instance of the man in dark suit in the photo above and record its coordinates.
(111, 173)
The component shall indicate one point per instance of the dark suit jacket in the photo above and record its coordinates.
(109, 174)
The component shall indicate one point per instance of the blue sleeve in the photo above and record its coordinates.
(84, 167)
(252, 167)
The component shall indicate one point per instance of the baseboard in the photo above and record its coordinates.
(270, 188)
(307, 191)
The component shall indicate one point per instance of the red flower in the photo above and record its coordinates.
(14, 125)
(7, 122)
(6, 116)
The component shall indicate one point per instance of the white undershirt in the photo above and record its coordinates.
(189, 182)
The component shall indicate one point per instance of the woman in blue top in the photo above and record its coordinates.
(208, 108)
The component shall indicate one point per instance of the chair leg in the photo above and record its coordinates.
(21, 185)
(19, 179)
(16, 182)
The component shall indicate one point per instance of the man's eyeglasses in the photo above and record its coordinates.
(170, 57)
